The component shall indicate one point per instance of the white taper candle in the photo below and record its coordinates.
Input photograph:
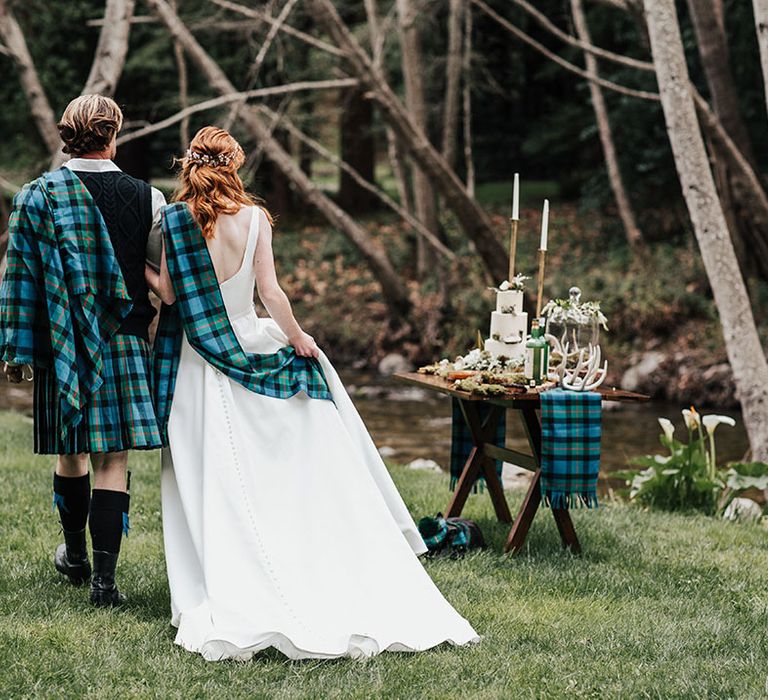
(516, 198)
(544, 225)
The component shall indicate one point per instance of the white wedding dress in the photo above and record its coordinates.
(282, 526)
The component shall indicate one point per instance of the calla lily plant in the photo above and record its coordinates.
(688, 478)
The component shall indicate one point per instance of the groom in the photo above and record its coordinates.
(74, 305)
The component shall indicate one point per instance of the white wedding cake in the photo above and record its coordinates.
(509, 323)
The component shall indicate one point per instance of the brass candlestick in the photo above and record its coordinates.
(540, 295)
(513, 226)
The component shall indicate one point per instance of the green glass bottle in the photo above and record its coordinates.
(547, 348)
(536, 351)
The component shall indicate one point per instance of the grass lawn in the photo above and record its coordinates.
(660, 606)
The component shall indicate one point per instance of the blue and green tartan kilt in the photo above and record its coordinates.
(120, 414)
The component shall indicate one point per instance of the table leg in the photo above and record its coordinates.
(481, 432)
(496, 491)
(465, 483)
(532, 500)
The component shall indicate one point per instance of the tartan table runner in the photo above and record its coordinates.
(461, 442)
(199, 312)
(570, 448)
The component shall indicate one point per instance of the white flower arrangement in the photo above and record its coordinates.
(516, 284)
(564, 311)
(480, 360)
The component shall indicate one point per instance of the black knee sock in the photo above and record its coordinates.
(72, 495)
(108, 519)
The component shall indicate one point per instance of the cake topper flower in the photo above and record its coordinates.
(516, 284)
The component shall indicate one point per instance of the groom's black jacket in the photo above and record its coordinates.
(126, 205)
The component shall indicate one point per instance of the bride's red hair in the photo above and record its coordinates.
(208, 180)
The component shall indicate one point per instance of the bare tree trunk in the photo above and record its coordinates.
(415, 102)
(750, 369)
(109, 59)
(474, 221)
(357, 149)
(708, 24)
(469, 160)
(760, 8)
(276, 186)
(707, 16)
(397, 163)
(744, 220)
(394, 147)
(453, 67)
(631, 229)
(40, 108)
(181, 69)
(394, 290)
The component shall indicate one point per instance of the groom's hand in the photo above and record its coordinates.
(13, 373)
(305, 345)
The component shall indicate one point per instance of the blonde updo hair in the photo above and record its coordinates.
(208, 179)
(89, 124)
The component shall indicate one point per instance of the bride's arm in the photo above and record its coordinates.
(160, 282)
(272, 295)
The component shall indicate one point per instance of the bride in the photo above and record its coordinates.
(282, 526)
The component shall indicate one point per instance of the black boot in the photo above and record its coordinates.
(72, 495)
(71, 557)
(104, 592)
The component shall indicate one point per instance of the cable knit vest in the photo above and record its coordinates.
(126, 205)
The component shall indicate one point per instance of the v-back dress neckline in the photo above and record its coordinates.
(249, 248)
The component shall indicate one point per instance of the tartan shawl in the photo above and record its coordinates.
(199, 312)
(570, 447)
(461, 443)
(63, 296)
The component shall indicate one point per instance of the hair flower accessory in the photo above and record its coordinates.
(218, 160)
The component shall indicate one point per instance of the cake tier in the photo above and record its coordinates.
(499, 349)
(509, 302)
(509, 328)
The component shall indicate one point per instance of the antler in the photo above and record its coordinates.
(588, 363)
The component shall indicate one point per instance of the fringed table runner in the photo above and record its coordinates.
(462, 444)
(570, 448)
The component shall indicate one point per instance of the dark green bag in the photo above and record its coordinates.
(452, 536)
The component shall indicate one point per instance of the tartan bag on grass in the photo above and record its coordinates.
(452, 536)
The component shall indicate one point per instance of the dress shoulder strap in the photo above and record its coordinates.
(253, 237)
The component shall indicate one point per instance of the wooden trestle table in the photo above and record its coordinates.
(484, 452)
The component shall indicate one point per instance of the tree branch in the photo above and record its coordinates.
(229, 98)
(520, 34)
(40, 108)
(422, 230)
(393, 288)
(286, 28)
(473, 219)
(253, 72)
(552, 28)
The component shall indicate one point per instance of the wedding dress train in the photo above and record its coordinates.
(282, 526)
